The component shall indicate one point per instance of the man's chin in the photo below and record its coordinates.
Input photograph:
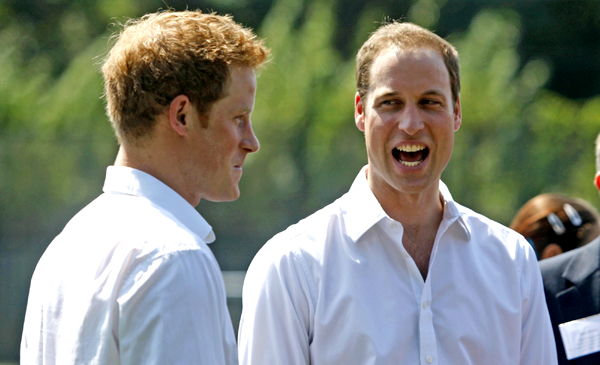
(413, 185)
(225, 196)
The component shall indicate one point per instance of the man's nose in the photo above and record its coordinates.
(411, 120)
(250, 142)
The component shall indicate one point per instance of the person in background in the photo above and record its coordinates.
(395, 271)
(572, 287)
(555, 223)
(130, 279)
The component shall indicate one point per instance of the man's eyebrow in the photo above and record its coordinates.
(387, 94)
(242, 109)
(391, 93)
(434, 92)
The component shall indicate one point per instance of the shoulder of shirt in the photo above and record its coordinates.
(496, 243)
(482, 226)
(137, 224)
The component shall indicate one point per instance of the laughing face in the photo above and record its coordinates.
(409, 119)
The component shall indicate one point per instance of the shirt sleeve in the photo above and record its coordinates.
(537, 338)
(275, 327)
(172, 310)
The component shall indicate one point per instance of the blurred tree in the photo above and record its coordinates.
(517, 139)
(19, 83)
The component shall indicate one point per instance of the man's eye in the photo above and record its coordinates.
(389, 102)
(430, 102)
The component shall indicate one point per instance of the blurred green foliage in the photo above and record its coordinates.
(518, 139)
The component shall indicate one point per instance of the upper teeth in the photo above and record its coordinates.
(410, 148)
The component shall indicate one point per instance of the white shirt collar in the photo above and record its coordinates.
(126, 180)
(362, 209)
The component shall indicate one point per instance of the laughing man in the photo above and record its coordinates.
(395, 271)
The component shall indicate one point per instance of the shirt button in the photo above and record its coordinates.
(425, 307)
(393, 225)
(429, 359)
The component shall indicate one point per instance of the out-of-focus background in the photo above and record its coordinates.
(531, 111)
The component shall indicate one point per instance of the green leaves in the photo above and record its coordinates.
(55, 141)
(517, 140)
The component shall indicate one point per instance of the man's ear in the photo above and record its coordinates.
(359, 113)
(597, 180)
(457, 114)
(180, 112)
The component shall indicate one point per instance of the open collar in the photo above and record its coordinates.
(129, 181)
(362, 210)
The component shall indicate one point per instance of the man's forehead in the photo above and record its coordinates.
(389, 77)
(426, 62)
(396, 53)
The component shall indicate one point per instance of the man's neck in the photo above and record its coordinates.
(420, 209)
(140, 159)
(420, 214)
(154, 161)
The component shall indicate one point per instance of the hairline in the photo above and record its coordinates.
(411, 48)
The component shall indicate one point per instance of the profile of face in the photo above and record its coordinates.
(409, 119)
(216, 153)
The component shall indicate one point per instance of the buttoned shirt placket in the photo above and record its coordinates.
(422, 289)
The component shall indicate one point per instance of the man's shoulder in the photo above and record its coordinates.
(121, 242)
(494, 240)
(485, 225)
(557, 264)
(132, 221)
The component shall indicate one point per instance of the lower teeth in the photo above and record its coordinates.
(410, 164)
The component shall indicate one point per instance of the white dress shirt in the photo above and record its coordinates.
(339, 288)
(130, 280)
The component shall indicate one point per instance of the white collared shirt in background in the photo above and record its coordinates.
(130, 280)
(339, 288)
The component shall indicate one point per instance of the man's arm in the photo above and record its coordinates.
(172, 310)
(277, 311)
(537, 338)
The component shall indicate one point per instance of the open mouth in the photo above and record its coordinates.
(410, 155)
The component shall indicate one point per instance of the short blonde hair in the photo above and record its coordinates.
(404, 36)
(166, 54)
